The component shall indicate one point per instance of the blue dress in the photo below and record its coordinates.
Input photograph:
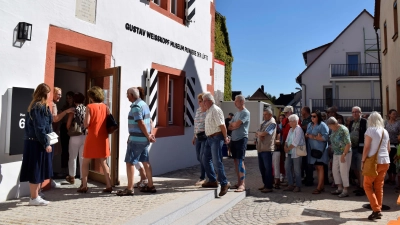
(36, 162)
(322, 129)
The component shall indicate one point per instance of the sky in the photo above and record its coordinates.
(267, 37)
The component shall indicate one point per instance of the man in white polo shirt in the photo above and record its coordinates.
(216, 136)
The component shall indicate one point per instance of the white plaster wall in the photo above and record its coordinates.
(25, 67)
(311, 56)
(318, 75)
(390, 60)
(358, 90)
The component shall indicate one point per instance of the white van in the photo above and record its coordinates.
(256, 109)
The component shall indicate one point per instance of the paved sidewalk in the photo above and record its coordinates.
(69, 207)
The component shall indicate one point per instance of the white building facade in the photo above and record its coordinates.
(345, 72)
(164, 46)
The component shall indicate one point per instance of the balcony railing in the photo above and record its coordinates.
(345, 105)
(351, 70)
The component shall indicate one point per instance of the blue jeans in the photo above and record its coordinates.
(295, 165)
(199, 153)
(265, 165)
(212, 158)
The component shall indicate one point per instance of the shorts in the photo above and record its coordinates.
(137, 152)
(238, 148)
(356, 161)
(319, 163)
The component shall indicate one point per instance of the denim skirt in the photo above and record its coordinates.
(37, 164)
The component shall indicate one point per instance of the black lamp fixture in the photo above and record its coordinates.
(24, 31)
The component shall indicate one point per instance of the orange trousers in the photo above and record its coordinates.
(373, 187)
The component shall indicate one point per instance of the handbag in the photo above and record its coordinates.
(315, 153)
(371, 164)
(52, 138)
(301, 150)
(111, 124)
(75, 129)
(201, 136)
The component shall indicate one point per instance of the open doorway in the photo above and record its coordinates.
(70, 75)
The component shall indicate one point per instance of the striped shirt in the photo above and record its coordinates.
(199, 121)
(139, 111)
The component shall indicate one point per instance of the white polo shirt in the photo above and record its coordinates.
(214, 118)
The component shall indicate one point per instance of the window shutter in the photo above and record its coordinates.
(190, 99)
(151, 83)
(190, 11)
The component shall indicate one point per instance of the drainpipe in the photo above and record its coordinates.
(305, 93)
(379, 68)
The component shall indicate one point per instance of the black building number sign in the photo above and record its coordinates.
(21, 97)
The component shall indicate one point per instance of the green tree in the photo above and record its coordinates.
(272, 97)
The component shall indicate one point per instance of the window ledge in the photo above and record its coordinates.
(172, 16)
(172, 130)
(395, 36)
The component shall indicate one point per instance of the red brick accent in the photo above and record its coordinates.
(210, 87)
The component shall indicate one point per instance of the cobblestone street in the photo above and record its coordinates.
(278, 207)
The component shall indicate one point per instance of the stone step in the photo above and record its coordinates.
(208, 212)
(174, 210)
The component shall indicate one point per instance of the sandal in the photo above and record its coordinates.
(318, 191)
(148, 189)
(125, 192)
(70, 179)
(236, 186)
(276, 186)
(240, 188)
(107, 190)
(82, 190)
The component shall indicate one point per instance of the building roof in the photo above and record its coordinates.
(298, 78)
(305, 53)
(234, 93)
(259, 95)
(284, 99)
(377, 14)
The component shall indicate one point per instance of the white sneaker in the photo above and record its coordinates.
(54, 184)
(39, 201)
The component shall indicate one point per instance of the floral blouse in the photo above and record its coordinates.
(339, 139)
(393, 130)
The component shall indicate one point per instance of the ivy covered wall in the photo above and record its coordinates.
(223, 52)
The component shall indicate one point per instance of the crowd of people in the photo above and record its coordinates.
(289, 148)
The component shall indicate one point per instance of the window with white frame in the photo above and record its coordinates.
(173, 6)
(170, 102)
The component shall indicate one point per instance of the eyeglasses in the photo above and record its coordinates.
(356, 112)
(314, 116)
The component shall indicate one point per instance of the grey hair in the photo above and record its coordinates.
(375, 120)
(356, 107)
(208, 96)
(293, 117)
(268, 110)
(331, 121)
(134, 91)
(240, 97)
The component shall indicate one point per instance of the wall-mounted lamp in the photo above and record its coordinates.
(24, 31)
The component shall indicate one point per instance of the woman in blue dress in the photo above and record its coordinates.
(38, 153)
(317, 136)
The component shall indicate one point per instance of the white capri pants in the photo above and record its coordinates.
(76, 144)
(341, 170)
(276, 163)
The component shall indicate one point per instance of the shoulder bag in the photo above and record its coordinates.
(111, 124)
(301, 150)
(371, 164)
(76, 128)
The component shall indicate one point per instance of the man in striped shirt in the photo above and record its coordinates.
(139, 127)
